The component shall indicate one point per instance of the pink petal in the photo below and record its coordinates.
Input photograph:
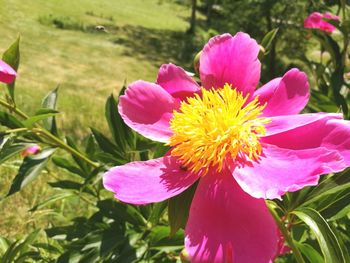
(283, 170)
(330, 16)
(284, 123)
(7, 74)
(232, 60)
(227, 225)
(286, 95)
(328, 132)
(147, 108)
(148, 182)
(175, 81)
(315, 21)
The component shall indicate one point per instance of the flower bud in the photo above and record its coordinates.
(7, 74)
(31, 150)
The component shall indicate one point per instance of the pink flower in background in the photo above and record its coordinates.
(242, 145)
(31, 150)
(7, 74)
(317, 20)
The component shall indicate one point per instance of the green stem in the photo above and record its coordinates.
(47, 134)
(14, 131)
(14, 109)
(64, 146)
(286, 235)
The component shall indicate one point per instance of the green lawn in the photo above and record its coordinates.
(88, 65)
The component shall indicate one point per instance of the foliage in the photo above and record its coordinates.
(315, 221)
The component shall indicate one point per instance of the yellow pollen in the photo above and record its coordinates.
(215, 126)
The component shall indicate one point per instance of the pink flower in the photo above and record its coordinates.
(7, 74)
(317, 20)
(31, 150)
(242, 145)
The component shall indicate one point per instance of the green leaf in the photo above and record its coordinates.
(82, 164)
(329, 45)
(118, 211)
(178, 209)
(66, 184)
(320, 102)
(337, 81)
(9, 149)
(12, 57)
(10, 121)
(4, 244)
(50, 102)
(309, 252)
(157, 211)
(106, 145)
(51, 200)
(20, 247)
(268, 39)
(65, 164)
(344, 211)
(326, 239)
(159, 237)
(333, 184)
(41, 114)
(334, 203)
(120, 132)
(31, 167)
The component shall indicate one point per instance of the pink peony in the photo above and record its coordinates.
(243, 145)
(31, 150)
(317, 20)
(7, 74)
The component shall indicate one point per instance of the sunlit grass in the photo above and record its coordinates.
(88, 66)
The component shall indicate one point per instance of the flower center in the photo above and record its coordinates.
(216, 127)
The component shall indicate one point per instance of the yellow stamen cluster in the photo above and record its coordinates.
(215, 126)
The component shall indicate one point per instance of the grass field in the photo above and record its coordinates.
(59, 45)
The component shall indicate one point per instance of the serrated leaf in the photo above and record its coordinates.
(178, 209)
(50, 102)
(327, 241)
(31, 167)
(12, 57)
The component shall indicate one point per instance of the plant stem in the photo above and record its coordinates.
(14, 131)
(14, 109)
(286, 235)
(58, 142)
(64, 146)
